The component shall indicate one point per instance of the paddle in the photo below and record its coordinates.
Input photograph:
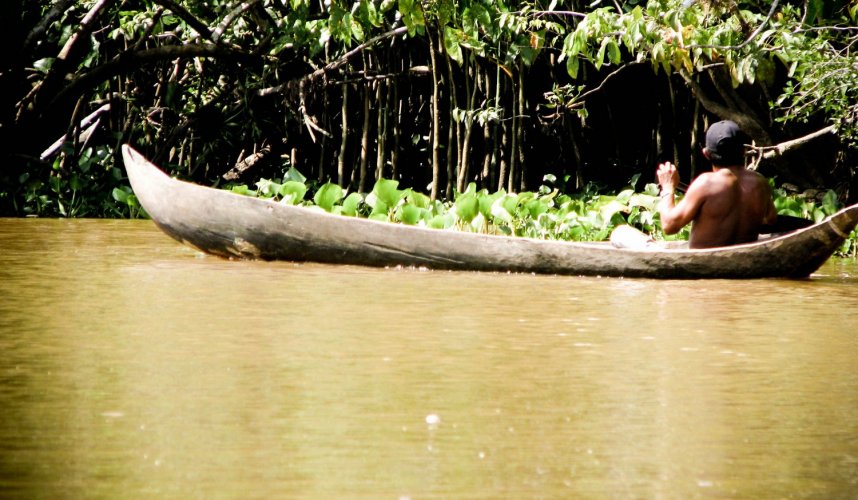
(785, 224)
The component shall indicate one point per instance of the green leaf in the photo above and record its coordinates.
(386, 191)
(294, 175)
(356, 29)
(614, 52)
(409, 214)
(487, 201)
(293, 192)
(572, 65)
(444, 221)
(467, 207)
(481, 18)
(243, 190)
(350, 204)
(44, 65)
(599, 60)
(379, 207)
(267, 188)
(120, 195)
(412, 17)
(830, 202)
(452, 40)
(499, 212)
(328, 195)
(417, 199)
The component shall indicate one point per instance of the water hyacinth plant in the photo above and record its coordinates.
(548, 213)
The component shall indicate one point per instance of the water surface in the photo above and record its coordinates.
(134, 367)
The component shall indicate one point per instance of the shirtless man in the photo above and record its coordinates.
(728, 205)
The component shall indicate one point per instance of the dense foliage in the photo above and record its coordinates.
(588, 215)
(439, 95)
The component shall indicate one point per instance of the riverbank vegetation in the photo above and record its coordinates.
(447, 99)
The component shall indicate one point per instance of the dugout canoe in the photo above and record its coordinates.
(234, 226)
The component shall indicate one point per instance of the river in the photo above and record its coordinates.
(135, 367)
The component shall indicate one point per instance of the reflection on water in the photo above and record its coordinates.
(134, 367)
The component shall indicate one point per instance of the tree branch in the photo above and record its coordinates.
(230, 18)
(128, 60)
(85, 28)
(768, 152)
(186, 16)
(55, 11)
(745, 121)
(333, 65)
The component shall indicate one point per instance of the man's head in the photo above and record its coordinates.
(725, 144)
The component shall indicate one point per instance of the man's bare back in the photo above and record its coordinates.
(726, 206)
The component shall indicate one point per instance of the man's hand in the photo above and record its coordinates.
(668, 177)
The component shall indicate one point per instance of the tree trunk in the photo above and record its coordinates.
(436, 166)
(341, 161)
(695, 138)
(522, 109)
(453, 128)
(396, 106)
(513, 151)
(364, 143)
(465, 147)
(382, 131)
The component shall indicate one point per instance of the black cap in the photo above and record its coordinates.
(725, 142)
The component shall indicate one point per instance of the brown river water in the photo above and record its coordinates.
(134, 367)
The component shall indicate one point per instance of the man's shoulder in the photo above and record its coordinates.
(709, 180)
(703, 178)
(752, 176)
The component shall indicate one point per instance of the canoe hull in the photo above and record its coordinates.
(235, 226)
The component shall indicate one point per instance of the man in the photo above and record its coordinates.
(726, 206)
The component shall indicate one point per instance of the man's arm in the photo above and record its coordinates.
(674, 217)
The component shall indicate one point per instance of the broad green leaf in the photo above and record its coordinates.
(487, 201)
(120, 195)
(412, 17)
(242, 189)
(356, 29)
(294, 191)
(350, 204)
(572, 65)
(607, 211)
(386, 191)
(499, 212)
(444, 221)
(294, 175)
(510, 203)
(467, 207)
(267, 188)
(830, 202)
(380, 208)
(452, 40)
(613, 52)
(599, 60)
(328, 195)
(409, 214)
(417, 199)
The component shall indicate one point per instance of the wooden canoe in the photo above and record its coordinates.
(230, 225)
